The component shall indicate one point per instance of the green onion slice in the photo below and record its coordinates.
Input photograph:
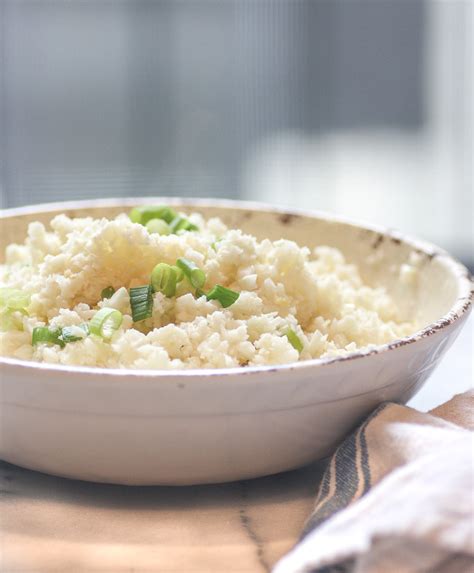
(164, 279)
(144, 214)
(150, 215)
(42, 334)
(158, 226)
(182, 224)
(224, 295)
(179, 273)
(13, 299)
(294, 340)
(74, 333)
(141, 302)
(193, 273)
(105, 322)
(107, 292)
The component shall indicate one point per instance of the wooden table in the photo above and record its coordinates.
(56, 525)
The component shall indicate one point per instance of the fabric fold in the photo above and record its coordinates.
(396, 496)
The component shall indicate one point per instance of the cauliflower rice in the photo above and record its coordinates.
(282, 286)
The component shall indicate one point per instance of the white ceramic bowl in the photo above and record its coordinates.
(203, 426)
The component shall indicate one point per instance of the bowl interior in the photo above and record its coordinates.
(379, 255)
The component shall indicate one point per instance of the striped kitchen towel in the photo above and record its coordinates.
(397, 497)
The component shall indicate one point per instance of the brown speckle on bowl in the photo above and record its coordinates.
(426, 257)
(378, 241)
(444, 322)
(399, 343)
(439, 325)
(287, 218)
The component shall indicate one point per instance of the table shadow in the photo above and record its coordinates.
(22, 488)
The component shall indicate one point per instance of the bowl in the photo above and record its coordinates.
(205, 426)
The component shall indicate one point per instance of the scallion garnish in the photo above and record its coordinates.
(141, 302)
(144, 214)
(164, 279)
(191, 226)
(294, 340)
(107, 292)
(12, 300)
(150, 215)
(182, 224)
(43, 334)
(224, 295)
(105, 322)
(74, 333)
(179, 273)
(135, 215)
(158, 226)
(193, 273)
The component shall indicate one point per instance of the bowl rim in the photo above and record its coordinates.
(458, 310)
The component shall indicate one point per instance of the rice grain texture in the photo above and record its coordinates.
(282, 285)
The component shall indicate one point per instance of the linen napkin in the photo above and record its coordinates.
(396, 497)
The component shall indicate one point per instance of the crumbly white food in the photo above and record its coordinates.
(281, 285)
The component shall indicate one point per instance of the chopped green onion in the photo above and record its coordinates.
(13, 299)
(224, 295)
(42, 334)
(164, 279)
(294, 340)
(144, 214)
(182, 224)
(175, 224)
(10, 322)
(179, 273)
(74, 333)
(191, 226)
(158, 226)
(107, 292)
(135, 215)
(149, 215)
(141, 301)
(60, 336)
(194, 274)
(105, 322)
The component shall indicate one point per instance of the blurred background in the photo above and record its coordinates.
(359, 107)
